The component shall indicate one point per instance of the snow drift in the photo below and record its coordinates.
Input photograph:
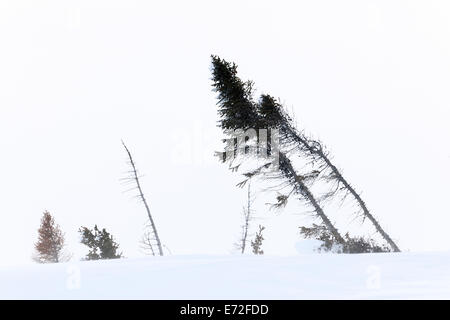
(307, 276)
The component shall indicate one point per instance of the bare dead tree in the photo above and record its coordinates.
(134, 177)
(147, 243)
(247, 213)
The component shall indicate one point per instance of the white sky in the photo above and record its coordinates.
(370, 78)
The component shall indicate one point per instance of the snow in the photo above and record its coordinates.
(306, 246)
(303, 276)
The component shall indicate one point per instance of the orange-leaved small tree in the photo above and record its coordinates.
(50, 244)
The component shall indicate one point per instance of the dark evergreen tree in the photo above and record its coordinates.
(101, 244)
(237, 110)
(236, 107)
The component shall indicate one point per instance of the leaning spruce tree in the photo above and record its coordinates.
(275, 116)
(238, 111)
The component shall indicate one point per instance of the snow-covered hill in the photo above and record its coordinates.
(309, 276)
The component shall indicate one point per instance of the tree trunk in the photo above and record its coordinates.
(142, 197)
(319, 152)
(247, 221)
(304, 191)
